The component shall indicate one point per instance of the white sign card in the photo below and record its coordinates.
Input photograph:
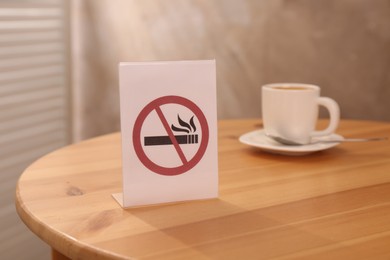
(169, 132)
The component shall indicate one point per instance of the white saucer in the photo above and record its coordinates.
(258, 139)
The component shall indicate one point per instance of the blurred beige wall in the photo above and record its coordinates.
(341, 45)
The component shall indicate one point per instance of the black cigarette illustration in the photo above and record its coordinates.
(189, 138)
(165, 140)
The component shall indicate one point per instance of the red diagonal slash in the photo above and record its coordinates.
(171, 135)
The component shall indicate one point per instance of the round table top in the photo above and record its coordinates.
(333, 203)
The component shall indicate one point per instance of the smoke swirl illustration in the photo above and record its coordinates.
(185, 127)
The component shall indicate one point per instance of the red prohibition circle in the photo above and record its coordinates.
(154, 105)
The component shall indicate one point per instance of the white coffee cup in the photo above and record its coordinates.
(290, 110)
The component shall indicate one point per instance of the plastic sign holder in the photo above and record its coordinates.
(169, 132)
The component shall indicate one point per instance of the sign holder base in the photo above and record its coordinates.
(118, 197)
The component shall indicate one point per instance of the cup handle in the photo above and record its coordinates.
(334, 116)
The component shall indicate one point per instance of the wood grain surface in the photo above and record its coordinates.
(333, 204)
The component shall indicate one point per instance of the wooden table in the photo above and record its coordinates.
(334, 204)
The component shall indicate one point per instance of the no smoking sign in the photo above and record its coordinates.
(168, 132)
(175, 135)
